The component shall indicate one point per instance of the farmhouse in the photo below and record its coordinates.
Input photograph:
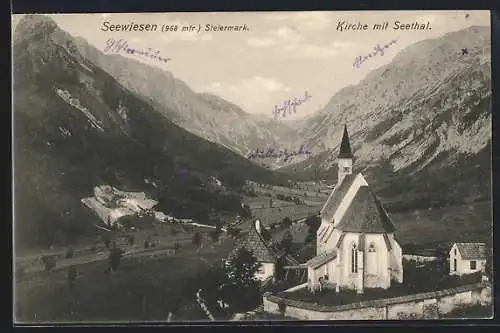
(265, 254)
(467, 258)
(356, 247)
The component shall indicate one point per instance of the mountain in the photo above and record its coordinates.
(202, 114)
(76, 127)
(420, 126)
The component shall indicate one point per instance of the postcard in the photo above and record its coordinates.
(252, 166)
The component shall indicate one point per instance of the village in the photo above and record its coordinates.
(318, 252)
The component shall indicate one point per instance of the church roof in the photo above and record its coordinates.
(366, 214)
(258, 246)
(345, 146)
(471, 251)
(336, 197)
(322, 259)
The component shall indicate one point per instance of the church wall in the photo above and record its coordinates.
(327, 244)
(376, 263)
(349, 196)
(396, 262)
(349, 279)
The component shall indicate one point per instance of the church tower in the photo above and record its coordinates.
(345, 157)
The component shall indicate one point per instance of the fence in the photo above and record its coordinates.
(409, 306)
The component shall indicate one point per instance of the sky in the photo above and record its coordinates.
(281, 56)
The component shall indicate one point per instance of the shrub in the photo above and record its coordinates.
(115, 256)
(71, 276)
(49, 263)
(69, 253)
(196, 239)
(286, 223)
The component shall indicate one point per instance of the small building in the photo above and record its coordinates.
(265, 254)
(467, 258)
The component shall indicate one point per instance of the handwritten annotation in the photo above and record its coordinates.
(377, 50)
(271, 152)
(289, 105)
(115, 46)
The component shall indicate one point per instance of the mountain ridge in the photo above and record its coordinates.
(76, 127)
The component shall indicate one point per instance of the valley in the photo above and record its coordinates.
(114, 154)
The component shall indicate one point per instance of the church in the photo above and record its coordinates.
(356, 248)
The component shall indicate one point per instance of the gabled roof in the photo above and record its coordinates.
(471, 251)
(258, 246)
(366, 214)
(335, 198)
(345, 146)
(322, 259)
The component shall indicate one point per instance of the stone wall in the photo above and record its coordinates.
(417, 306)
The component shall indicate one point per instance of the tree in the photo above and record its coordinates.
(265, 234)
(287, 241)
(243, 291)
(286, 223)
(197, 239)
(115, 256)
(232, 231)
(69, 253)
(214, 235)
(71, 275)
(49, 262)
(314, 222)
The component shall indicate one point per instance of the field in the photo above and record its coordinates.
(142, 289)
(472, 222)
(148, 284)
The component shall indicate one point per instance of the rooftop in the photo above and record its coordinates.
(471, 251)
(366, 214)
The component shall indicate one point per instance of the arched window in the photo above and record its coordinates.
(354, 259)
(371, 248)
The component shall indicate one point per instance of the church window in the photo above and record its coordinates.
(472, 264)
(371, 248)
(354, 259)
(346, 169)
(455, 252)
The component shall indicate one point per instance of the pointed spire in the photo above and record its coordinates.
(345, 146)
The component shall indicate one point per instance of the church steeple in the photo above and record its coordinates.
(345, 158)
(345, 146)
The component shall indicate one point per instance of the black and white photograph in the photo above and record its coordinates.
(179, 167)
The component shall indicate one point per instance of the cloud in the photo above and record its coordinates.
(206, 37)
(311, 51)
(304, 21)
(260, 42)
(251, 93)
(258, 83)
(288, 34)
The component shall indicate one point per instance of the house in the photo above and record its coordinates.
(356, 247)
(266, 255)
(467, 258)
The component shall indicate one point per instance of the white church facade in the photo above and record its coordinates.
(356, 248)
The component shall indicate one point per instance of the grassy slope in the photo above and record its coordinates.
(138, 291)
